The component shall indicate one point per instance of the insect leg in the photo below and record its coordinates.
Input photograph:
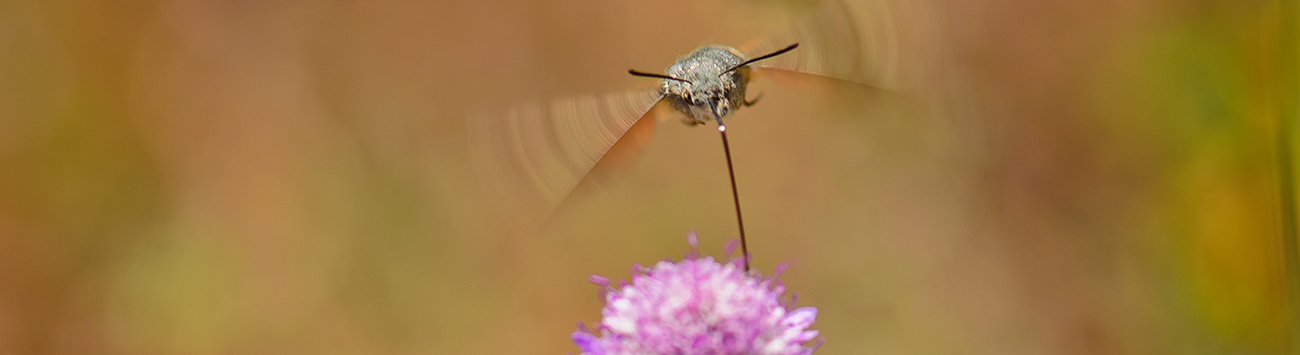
(749, 103)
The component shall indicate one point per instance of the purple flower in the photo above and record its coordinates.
(698, 306)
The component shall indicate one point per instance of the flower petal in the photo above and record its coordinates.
(801, 317)
(806, 336)
(589, 344)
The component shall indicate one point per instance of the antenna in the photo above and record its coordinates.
(769, 55)
(653, 75)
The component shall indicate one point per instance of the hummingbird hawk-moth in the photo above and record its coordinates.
(535, 155)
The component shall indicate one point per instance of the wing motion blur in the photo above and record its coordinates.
(887, 44)
(531, 157)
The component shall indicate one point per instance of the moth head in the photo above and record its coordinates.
(711, 92)
(706, 90)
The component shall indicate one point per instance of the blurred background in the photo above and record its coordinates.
(287, 177)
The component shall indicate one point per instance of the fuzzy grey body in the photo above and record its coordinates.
(709, 92)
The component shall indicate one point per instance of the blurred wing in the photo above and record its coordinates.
(532, 156)
(888, 44)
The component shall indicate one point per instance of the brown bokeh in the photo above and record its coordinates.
(249, 177)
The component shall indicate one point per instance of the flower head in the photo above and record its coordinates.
(698, 306)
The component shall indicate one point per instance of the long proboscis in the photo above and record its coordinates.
(735, 196)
